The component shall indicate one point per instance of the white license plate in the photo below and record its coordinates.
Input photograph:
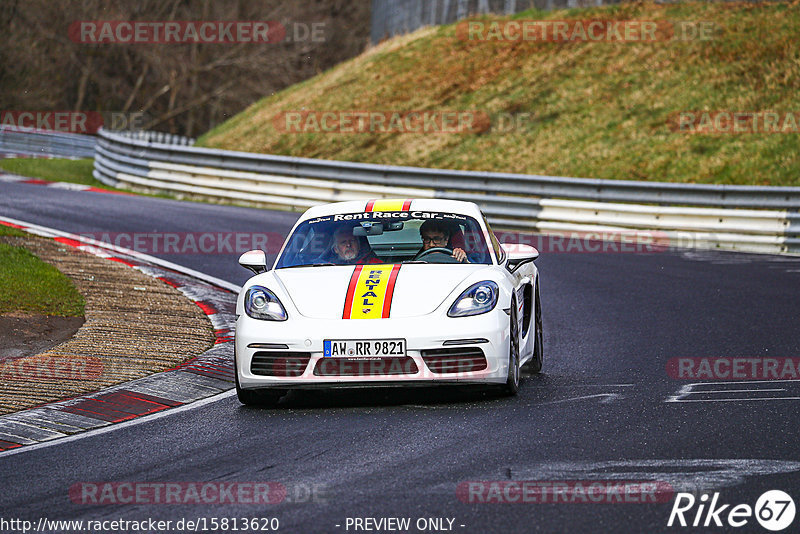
(363, 348)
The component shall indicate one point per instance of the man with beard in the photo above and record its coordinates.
(352, 250)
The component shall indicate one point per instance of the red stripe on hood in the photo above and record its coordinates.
(387, 301)
(351, 289)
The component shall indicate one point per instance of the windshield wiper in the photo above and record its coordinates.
(413, 261)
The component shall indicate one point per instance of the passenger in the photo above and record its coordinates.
(350, 249)
(437, 234)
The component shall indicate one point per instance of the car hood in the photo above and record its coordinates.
(321, 292)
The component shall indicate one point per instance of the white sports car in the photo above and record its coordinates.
(388, 292)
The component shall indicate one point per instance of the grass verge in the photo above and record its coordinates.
(31, 285)
(75, 171)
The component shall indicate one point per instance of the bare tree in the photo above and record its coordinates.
(183, 88)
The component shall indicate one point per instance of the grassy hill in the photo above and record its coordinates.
(596, 109)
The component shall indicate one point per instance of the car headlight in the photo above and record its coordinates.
(476, 299)
(261, 303)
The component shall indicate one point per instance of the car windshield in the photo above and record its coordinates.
(386, 237)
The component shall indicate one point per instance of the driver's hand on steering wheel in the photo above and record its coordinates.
(460, 255)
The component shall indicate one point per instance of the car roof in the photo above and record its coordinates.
(395, 204)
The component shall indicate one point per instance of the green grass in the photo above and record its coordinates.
(598, 110)
(28, 284)
(75, 171)
(9, 231)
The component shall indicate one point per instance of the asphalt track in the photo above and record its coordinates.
(598, 412)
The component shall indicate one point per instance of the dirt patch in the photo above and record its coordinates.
(26, 334)
(135, 325)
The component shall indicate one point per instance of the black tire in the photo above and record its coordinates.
(511, 387)
(534, 365)
(255, 397)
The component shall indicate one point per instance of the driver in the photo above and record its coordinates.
(351, 250)
(437, 234)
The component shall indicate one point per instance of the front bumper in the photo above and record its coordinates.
(305, 335)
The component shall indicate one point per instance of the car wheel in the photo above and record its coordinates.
(255, 397)
(534, 365)
(512, 383)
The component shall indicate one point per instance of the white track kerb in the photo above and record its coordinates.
(204, 379)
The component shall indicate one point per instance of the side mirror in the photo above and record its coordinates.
(254, 260)
(518, 255)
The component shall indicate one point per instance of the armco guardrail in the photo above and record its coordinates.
(46, 143)
(751, 218)
(157, 137)
(394, 17)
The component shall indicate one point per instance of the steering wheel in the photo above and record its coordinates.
(434, 250)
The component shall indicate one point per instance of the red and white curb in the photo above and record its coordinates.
(16, 178)
(202, 378)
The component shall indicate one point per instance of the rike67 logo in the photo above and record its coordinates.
(774, 510)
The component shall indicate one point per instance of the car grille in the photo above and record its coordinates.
(365, 367)
(277, 363)
(454, 360)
